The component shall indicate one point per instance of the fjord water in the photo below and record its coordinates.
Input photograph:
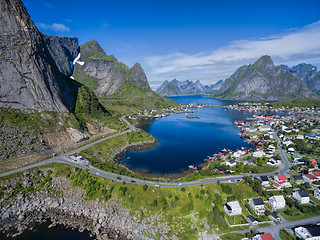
(184, 141)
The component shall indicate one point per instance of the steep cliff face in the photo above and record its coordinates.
(29, 77)
(177, 88)
(139, 77)
(63, 51)
(263, 81)
(308, 73)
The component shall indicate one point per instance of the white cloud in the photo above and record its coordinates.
(55, 27)
(292, 47)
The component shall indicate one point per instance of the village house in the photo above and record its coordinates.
(310, 178)
(308, 232)
(301, 197)
(231, 163)
(275, 216)
(277, 202)
(264, 236)
(281, 181)
(314, 162)
(316, 174)
(264, 128)
(233, 208)
(264, 181)
(295, 156)
(307, 168)
(253, 220)
(258, 154)
(316, 194)
(257, 205)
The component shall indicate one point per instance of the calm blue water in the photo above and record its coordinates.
(184, 141)
(41, 232)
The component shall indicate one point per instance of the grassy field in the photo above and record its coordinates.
(187, 208)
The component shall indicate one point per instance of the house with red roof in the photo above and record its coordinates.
(313, 162)
(310, 178)
(281, 181)
(265, 236)
(316, 174)
(281, 178)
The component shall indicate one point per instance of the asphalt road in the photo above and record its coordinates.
(117, 177)
(286, 163)
(275, 229)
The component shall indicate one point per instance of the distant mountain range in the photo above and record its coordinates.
(177, 88)
(308, 73)
(263, 81)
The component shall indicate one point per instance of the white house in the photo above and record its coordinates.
(264, 128)
(311, 232)
(264, 236)
(257, 205)
(277, 202)
(264, 181)
(301, 197)
(300, 137)
(233, 208)
(231, 163)
(258, 154)
(317, 194)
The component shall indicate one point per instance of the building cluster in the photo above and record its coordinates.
(259, 107)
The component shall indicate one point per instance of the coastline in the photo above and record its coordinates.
(103, 220)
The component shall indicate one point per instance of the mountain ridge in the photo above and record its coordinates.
(263, 81)
(177, 88)
(308, 73)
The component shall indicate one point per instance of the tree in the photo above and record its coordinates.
(145, 187)
(257, 187)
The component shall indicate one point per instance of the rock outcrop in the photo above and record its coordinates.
(63, 50)
(104, 74)
(177, 88)
(262, 81)
(29, 77)
(308, 73)
(109, 78)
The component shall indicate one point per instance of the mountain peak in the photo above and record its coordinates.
(265, 62)
(90, 49)
(262, 81)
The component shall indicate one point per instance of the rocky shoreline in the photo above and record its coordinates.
(65, 205)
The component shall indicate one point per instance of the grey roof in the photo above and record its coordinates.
(252, 218)
(264, 178)
(297, 177)
(303, 193)
(258, 201)
(314, 230)
(274, 214)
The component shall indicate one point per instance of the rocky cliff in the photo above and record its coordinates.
(177, 88)
(29, 77)
(109, 78)
(308, 73)
(262, 81)
(105, 74)
(63, 50)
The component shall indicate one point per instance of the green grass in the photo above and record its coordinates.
(284, 235)
(100, 155)
(232, 236)
(297, 103)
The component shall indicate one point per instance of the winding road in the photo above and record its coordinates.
(285, 168)
(117, 177)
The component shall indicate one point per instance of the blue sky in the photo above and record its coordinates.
(195, 40)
